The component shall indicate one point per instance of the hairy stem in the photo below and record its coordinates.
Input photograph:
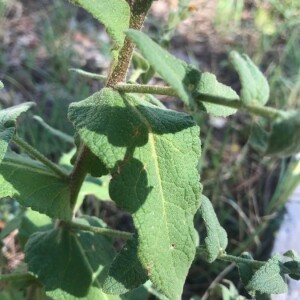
(39, 156)
(98, 230)
(236, 259)
(139, 9)
(266, 112)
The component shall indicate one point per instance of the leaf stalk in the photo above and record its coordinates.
(266, 112)
(40, 157)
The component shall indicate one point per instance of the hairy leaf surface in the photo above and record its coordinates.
(114, 14)
(185, 79)
(216, 240)
(152, 154)
(209, 86)
(126, 272)
(8, 119)
(181, 76)
(70, 264)
(269, 278)
(255, 87)
(35, 186)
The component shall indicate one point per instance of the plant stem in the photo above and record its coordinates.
(145, 89)
(139, 9)
(236, 259)
(16, 277)
(266, 112)
(39, 156)
(98, 230)
(79, 172)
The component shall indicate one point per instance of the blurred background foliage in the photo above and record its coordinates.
(41, 40)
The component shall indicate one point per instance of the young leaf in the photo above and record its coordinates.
(181, 76)
(216, 239)
(269, 278)
(255, 88)
(126, 272)
(114, 14)
(35, 186)
(209, 86)
(8, 119)
(152, 154)
(185, 79)
(70, 264)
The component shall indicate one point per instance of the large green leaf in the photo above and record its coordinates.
(255, 88)
(126, 272)
(216, 237)
(8, 119)
(152, 154)
(186, 80)
(269, 278)
(70, 264)
(114, 14)
(35, 186)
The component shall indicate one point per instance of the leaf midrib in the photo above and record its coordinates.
(155, 157)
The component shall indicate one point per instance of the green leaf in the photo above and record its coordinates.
(114, 14)
(126, 272)
(246, 272)
(293, 265)
(35, 186)
(181, 76)
(186, 80)
(284, 138)
(70, 264)
(255, 88)
(209, 86)
(12, 225)
(8, 119)
(269, 278)
(152, 154)
(216, 237)
(1, 85)
(32, 222)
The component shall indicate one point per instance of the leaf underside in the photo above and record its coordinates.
(152, 154)
(191, 85)
(216, 237)
(255, 88)
(35, 186)
(8, 119)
